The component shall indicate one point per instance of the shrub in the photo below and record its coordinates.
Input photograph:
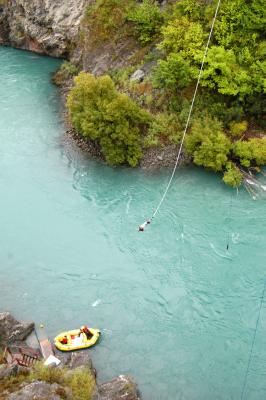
(147, 19)
(182, 36)
(208, 145)
(80, 381)
(251, 152)
(232, 176)
(50, 375)
(66, 71)
(238, 128)
(106, 18)
(99, 112)
(164, 129)
(174, 72)
(82, 384)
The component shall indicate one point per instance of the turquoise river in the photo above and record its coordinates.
(177, 310)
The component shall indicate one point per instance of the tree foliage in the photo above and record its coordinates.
(235, 65)
(208, 145)
(251, 152)
(147, 19)
(99, 112)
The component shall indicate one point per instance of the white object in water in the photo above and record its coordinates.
(96, 303)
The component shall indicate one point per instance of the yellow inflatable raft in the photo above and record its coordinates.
(76, 340)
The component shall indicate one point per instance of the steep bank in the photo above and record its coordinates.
(47, 27)
(152, 50)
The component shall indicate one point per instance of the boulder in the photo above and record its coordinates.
(76, 360)
(80, 359)
(6, 371)
(120, 388)
(12, 330)
(40, 390)
(138, 76)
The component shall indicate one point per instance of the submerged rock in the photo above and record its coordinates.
(12, 330)
(120, 388)
(40, 390)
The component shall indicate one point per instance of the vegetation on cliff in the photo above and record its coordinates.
(227, 129)
(101, 113)
(79, 382)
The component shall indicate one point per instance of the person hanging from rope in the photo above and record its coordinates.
(143, 226)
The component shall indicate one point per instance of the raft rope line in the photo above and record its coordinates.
(142, 227)
(253, 342)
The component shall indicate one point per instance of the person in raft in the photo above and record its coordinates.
(64, 340)
(85, 329)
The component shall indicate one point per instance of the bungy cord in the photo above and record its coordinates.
(143, 226)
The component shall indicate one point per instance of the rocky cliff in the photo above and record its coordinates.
(44, 26)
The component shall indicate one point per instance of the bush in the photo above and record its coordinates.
(238, 128)
(174, 72)
(66, 71)
(251, 152)
(164, 129)
(82, 385)
(99, 112)
(80, 381)
(208, 145)
(232, 176)
(50, 375)
(147, 19)
(106, 18)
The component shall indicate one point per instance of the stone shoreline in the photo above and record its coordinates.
(14, 335)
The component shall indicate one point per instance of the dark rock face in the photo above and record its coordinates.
(12, 330)
(8, 371)
(108, 56)
(120, 388)
(80, 359)
(4, 27)
(39, 390)
(47, 27)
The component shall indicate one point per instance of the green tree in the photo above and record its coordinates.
(232, 176)
(174, 72)
(251, 152)
(208, 145)
(182, 36)
(147, 18)
(223, 73)
(99, 112)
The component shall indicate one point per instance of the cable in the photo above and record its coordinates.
(143, 226)
(253, 342)
(230, 215)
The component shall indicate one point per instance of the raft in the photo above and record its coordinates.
(75, 340)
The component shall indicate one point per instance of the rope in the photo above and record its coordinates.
(253, 342)
(230, 215)
(142, 227)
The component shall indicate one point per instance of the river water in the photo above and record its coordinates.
(177, 310)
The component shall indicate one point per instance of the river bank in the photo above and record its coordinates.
(28, 378)
(226, 134)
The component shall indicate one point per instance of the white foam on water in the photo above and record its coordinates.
(96, 303)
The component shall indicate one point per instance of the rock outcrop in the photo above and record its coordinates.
(40, 390)
(12, 330)
(120, 388)
(43, 26)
